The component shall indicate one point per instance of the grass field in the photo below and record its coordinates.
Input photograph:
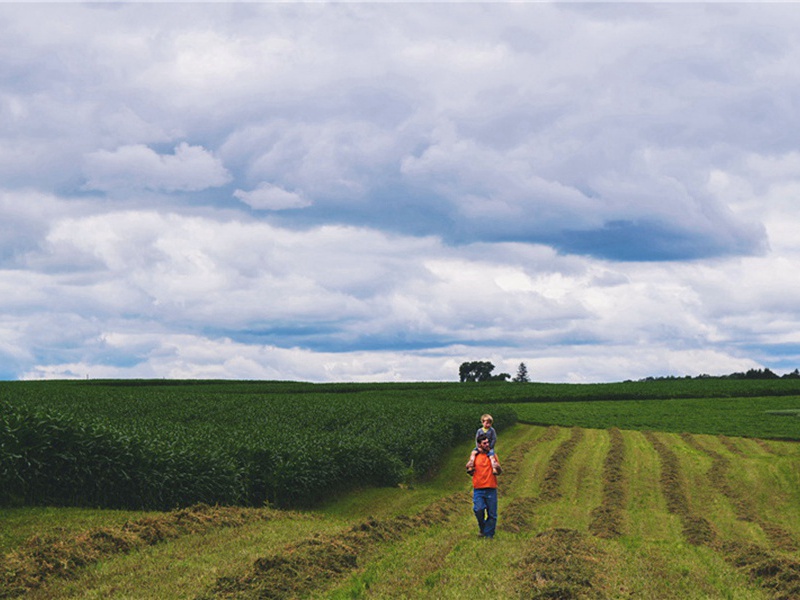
(775, 417)
(660, 498)
(697, 516)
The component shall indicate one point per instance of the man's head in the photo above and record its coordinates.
(483, 442)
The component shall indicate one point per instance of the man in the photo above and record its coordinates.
(484, 487)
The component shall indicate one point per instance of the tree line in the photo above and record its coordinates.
(749, 374)
(481, 370)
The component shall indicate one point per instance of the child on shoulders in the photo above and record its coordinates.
(491, 434)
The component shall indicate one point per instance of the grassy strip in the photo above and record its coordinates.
(697, 530)
(560, 563)
(42, 558)
(312, 563)
(516, 517)
(551, 486)
(742, 506)
(736, 416)
(764, 446)
(607, 517)
(512, 464)
(731, 445)
(778, 574)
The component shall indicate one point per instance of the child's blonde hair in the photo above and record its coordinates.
(484, 417)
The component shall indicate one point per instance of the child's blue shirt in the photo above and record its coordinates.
(491, 434)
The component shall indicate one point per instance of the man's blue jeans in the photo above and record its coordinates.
(484, 504)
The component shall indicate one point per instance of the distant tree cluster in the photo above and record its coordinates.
(750, 374)
(481, 370)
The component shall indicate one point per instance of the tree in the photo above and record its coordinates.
(793, 375)
(480, 370)
(522, 374)
(476, 370)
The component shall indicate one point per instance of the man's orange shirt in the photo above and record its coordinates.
(483, 476)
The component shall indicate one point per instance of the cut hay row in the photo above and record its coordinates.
(513, 462)
(777, 573)
(312, 563)
(551, 484)
(743, 507)
(731, 445)
(559, 563)
(607, 518)
(517, 514)
(696, 529)
(765, 446)
(42, 558)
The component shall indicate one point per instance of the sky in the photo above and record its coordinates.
(382, 191)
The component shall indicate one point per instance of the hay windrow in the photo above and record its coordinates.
(516, 516)
(560, 563)
(312, 563)
(765, 446)
(512, 463)
(732, 447)
(777, 573)
(696, 529)
(42, 558)
(551, 483)
(744, 509)
(608, 516)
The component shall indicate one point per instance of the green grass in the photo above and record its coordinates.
(652, 558)
(20, 524)
(747, 417)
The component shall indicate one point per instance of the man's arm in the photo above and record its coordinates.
(496, 468)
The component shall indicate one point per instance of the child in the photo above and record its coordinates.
(490, 433)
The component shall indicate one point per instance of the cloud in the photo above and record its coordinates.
(356, 191)
(270, 197)
(137, 167)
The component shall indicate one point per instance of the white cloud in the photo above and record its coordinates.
(602, 191)
(137, 167)
(271, 197)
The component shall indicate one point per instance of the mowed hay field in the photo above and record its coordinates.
(584, 513)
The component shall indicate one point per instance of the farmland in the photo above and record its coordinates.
(632, 499)
(119, 445)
